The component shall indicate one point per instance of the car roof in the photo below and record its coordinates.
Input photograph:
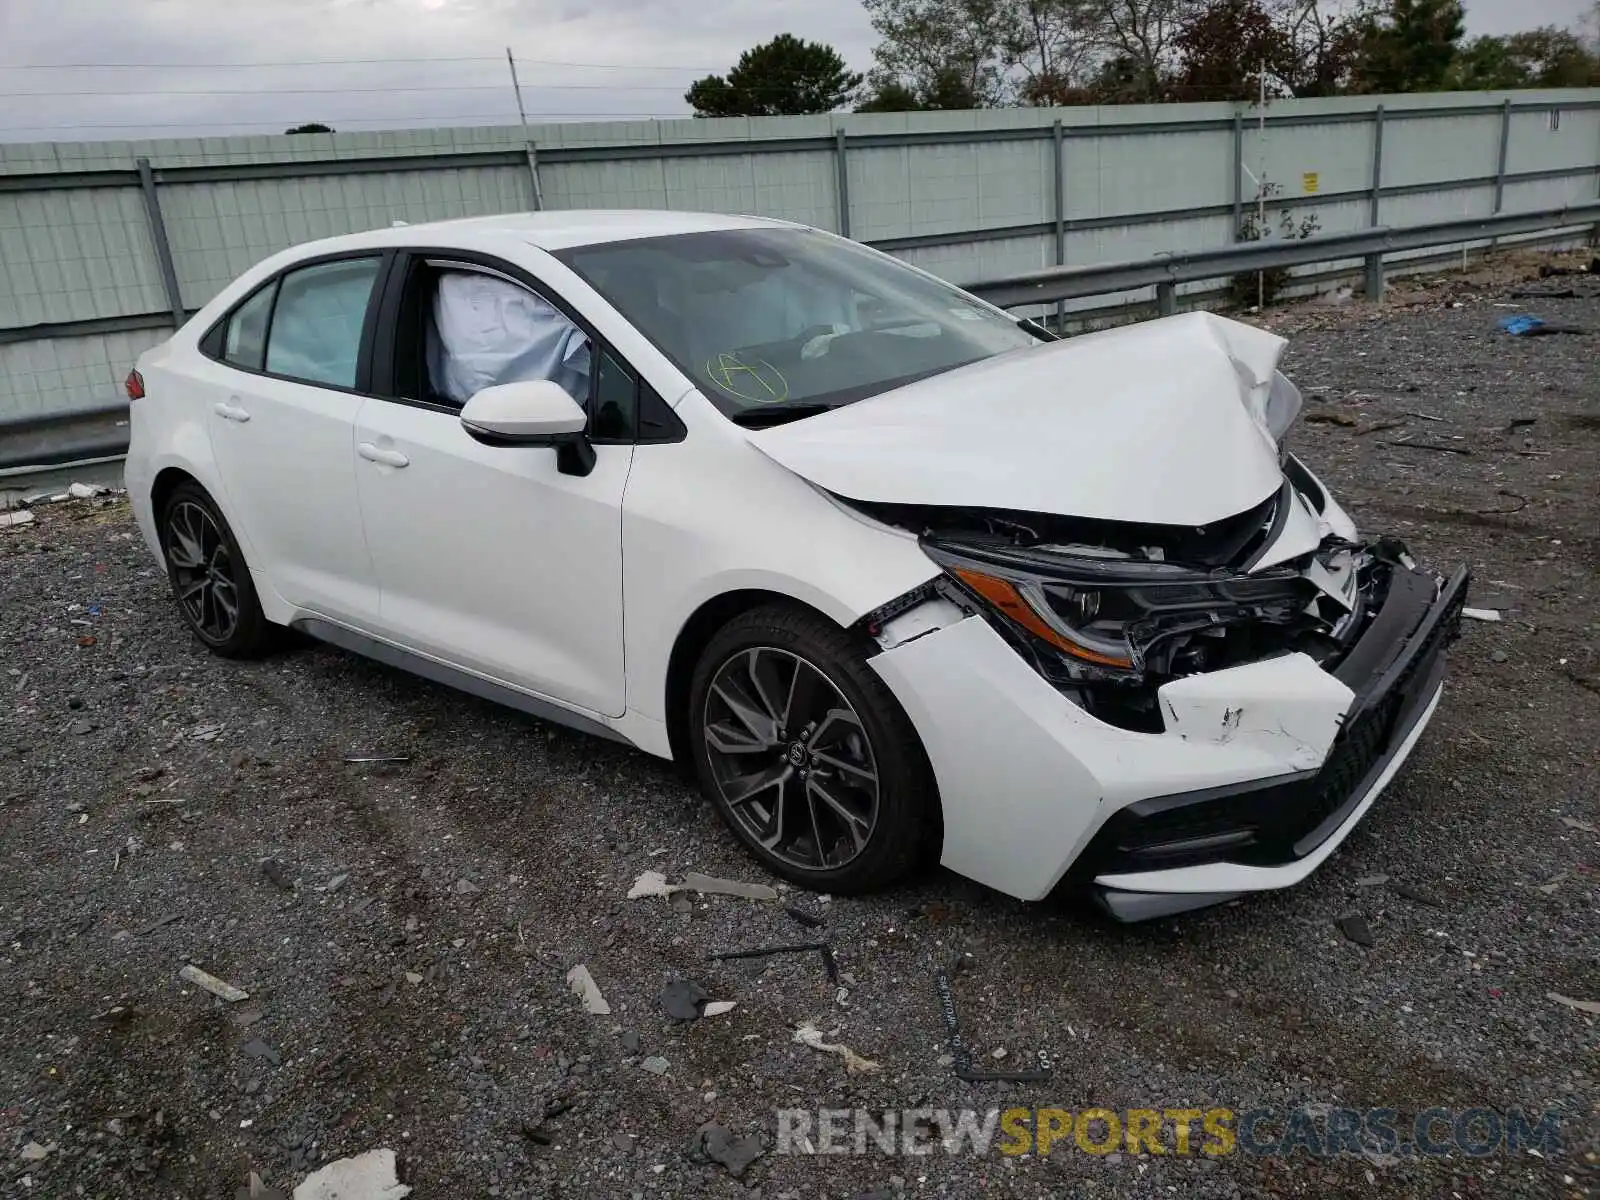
(551, 230)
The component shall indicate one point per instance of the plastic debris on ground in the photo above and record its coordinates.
(1592, 1007)
(654, 883)
(20, 517)
(735, 1154)
(369, 1176)
(219, 988)
(583, 985)
(1528, 325)
(1480, 614)
(854, 1064)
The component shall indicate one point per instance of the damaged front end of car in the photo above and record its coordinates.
(1334, 652)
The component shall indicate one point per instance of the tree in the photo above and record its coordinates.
(1409, 47)
(951, 47)
(312, 127)
(784, 77)
(1225, 51)
(1323, 43)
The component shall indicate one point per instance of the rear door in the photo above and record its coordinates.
(493, 558)
(291, 367)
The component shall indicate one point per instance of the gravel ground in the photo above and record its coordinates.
(406, 955)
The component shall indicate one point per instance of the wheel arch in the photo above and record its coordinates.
(691, 642)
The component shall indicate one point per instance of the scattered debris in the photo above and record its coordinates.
(1520, 423)
(377, 758)
(583, 985)
(1549, 889)
(256, 1189)
(1534, 294)
(630, 1041)
(10, 520)
(1355, 927)
(1574, 823)
(1372, 881)
(1421, 416)
(807, 919)
(809, 1035)
(1480, 614)
(219, 988)
(1592, 1007)
(1379, 427)
(465, 887)
(86, 491)
(715, 1008)
(277, 874)
(655, 1064)
(158, 923)
(682, 1000)
(623, 1141)
(651, 883)
(960, 1055)
(1327, 416)
(1528, 325)
(1415, 896)
(1547, 270)
(1437, 446)
(719, 1144)
(829, 963)
(337, 882)
(654, 883)
(257, 1049)
(34, 1152)
(369, 1176)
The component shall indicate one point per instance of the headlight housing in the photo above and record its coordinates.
(1090, 615)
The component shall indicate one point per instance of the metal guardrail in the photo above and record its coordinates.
(1166, 271)
(34, 444)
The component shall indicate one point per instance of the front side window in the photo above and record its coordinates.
(771, 323)
(245, 343)
(484, 330)
(316, 325)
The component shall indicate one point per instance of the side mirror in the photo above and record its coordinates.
(531, 412)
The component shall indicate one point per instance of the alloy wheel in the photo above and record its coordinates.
(202, 571)
(791, 758)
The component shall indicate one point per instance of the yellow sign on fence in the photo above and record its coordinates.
(1308, 181)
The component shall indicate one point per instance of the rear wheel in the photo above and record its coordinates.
(210, 578)
(807, 755)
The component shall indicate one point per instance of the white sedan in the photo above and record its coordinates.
(903, 577)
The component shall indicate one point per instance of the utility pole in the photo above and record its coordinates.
(528, 146)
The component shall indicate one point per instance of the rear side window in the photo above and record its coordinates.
(245, 342)
(315, 335)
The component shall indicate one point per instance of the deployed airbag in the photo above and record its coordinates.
(488, 331)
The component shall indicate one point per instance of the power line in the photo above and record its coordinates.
(338, 62)
(358, 91)
(432, 118)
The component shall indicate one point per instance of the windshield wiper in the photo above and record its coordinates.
(1038, 330)
(777, 414)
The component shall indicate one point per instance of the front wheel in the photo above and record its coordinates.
(807, 755)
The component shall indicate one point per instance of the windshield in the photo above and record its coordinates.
(773, 323)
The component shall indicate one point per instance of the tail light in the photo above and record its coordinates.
(134, 385)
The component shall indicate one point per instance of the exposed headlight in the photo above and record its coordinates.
(1102, 615)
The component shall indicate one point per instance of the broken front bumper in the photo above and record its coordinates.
(1239, 838)
(1036, 792)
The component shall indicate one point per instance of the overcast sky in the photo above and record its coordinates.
(638, 58)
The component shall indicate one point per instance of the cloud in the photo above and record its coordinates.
(357, 74)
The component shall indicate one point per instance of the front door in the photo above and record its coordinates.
(491, 558)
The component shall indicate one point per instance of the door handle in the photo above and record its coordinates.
(231, 410)
(377, 454)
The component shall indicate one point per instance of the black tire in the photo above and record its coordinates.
(877, 737)
(210, 559)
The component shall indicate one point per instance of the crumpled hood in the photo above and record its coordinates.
(1154, 422)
